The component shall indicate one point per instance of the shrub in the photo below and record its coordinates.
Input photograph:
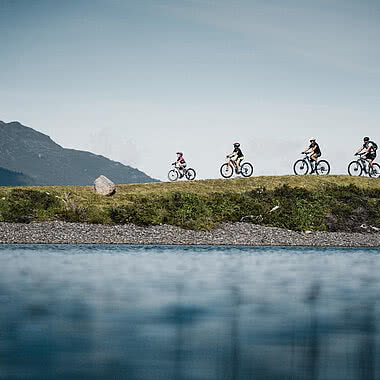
(23, 206)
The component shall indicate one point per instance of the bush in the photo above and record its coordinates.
(186, 210)
(24, 206)
(334, 208)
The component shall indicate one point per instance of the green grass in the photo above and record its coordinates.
(335, 203)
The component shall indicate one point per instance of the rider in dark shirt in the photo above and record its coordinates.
(368, 150)
(236, 156)
(315, 149)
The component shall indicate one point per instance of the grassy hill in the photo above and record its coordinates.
(333, 203)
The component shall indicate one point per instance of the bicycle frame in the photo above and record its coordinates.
(176, 167)
(364, 162)
(229, 161)
(310, 161)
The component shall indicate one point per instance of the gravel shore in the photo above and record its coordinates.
(227, 234)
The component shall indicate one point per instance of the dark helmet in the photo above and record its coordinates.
(236, 145)
(180, 153)
(366, 138)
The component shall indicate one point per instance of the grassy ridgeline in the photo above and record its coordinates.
(334, 203)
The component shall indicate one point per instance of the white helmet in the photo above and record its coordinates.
(312, 139)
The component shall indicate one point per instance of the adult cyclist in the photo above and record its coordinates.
(368, 150)
(315, 152)
(236, 156)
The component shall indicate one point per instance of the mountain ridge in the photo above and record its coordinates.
(34, 154)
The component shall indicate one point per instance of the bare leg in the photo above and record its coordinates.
(239, 160)
(314, 158)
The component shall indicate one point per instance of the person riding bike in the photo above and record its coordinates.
(315, 152)
(180, 164)
(236, 156)
(368, 150)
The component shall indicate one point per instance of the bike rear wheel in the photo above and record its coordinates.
(323, 167)
(375, 171)
(173, 175)
(355, 169)
(300, 167)
(226, 170)
(190, 174)
(246, 169)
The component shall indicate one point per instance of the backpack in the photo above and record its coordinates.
(374, 145)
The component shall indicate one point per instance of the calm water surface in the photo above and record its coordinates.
(122, 312)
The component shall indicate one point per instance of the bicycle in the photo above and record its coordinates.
(303, 165)
(226, 170)
(356, 168)
(175, 173)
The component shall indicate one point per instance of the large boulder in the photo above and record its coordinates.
(104, 186)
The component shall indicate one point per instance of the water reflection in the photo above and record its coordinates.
(188, 313)
(312, 360)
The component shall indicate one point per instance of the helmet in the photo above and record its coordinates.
(236, 145)
(180, 153)
(312, 139)
(366, 138)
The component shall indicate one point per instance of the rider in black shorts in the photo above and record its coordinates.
(315, 149)
(368, 150)
(236, 156)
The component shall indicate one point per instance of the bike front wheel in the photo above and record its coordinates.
(355, 169)
(300, 167)
(226, 170)
(173, 175)
(246, 169)
(374, 172)
(323, 167)
(190, 174)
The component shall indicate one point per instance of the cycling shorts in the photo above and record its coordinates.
(370, 156)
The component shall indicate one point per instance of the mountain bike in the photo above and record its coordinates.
(356, 168)
(306, 164)
(227, 169)
(175, 173)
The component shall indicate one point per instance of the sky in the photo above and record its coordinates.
(139, 80)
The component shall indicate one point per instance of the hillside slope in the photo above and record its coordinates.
(24, 150)
(10, 178)
(331, 203)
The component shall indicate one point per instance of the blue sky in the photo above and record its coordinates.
(138, 80)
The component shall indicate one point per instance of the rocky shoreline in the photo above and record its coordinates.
(246, 234)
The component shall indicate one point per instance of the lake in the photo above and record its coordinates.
(174, 312)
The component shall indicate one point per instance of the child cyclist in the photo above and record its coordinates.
(180, 164)
(236, 156)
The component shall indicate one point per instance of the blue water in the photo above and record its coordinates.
(122, 312)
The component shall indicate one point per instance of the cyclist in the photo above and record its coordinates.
(236, 156)
(315, 152)
(180, 164)
(368, 150)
